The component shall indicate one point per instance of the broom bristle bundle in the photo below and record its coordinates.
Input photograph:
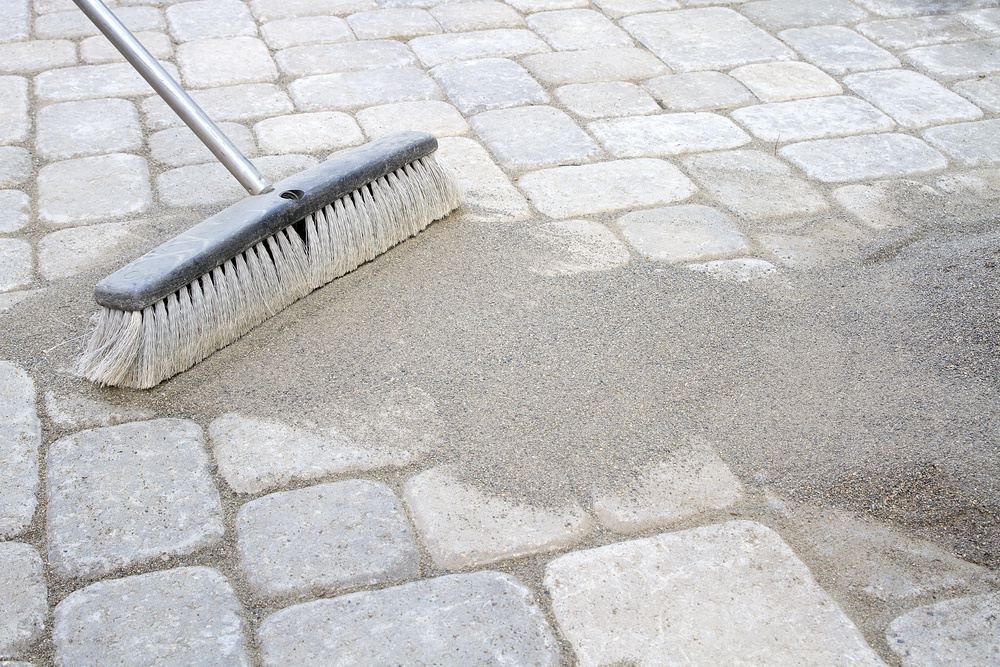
(140, 349)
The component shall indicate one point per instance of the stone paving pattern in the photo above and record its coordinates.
(631, 130)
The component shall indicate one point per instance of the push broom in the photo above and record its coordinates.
(200, 291)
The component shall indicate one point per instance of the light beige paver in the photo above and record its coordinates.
(618, 64)
(783, 81)
(606, 99)
(681, 233)
(812, 119)
(667, 134)
(488, 193)
(307, 133)
(864, 157)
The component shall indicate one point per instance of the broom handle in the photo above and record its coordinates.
(178, 100)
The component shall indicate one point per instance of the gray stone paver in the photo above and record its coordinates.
(484, 618)
(231, 103)
(185, 616)
(307, 133)
(812, 119)
(920, 31)
(73, 24)
(903, 8)
(127, 495)
(92, 189)
(667, 134)
(961, 631)
(399, 22)
(973, 144)
(15, 165)
(864, 157)
(205, 19)
(306, 30)
(577, 29)
(681, 233)
(537, 136)
(947, 62)
(36, 56)
(92, 81)
(22, 585)
(500, 43)
(15, 20)
(325, 538)
(616, 64)
(490, 83)
(20, 439)
(911, 98)
(87, 127)
(571, 247)
(179, 146)
(328, 58)
(986, 21)
(15, 207)
(68, 252)
(780, 14)
(269, 10)
(985, 92)
(477, 15)
(606, 99)
(783, 81)
(489, 194)
(351, 90)
(438, 118)
(207, 63)
(98, 50)
(14, 120)
(838, 50)
(698, 91)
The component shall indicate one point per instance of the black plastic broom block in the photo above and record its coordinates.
(183, 259)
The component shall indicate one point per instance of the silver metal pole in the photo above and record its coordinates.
(171, 92)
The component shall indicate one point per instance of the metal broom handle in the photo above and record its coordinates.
(171, 92)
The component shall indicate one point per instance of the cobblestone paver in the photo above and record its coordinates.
(961, 631)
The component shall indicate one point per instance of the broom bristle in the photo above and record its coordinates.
(140, 349)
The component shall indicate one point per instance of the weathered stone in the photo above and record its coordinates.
(93, 188)
(536, 136)
(22, 586)
(207, 19)
(325, 538)
(87, 127)
(816, 118)
(98, 50)
(15, 264)
(754, 185)
(743, 270)
(488, 194)
(681, 233)
(15, 165)
(93, 81)
(780, 14)
(74, 24)
(985, 92)
(577, 29)
(676, 598)
(622, 64)
(71, 251)
(15, 206)
(783, 81)
(618, 8)
(211, 183)
(957, 61)
(350, 90)
(921, 31)
(233, 103)
(438, 118)
(328, 58)
(307, 133)
(397, 23)
(701, 39)
(838, 50)
(306, 30)
(268, 10)
(20, 438)
(919, 7)
(476, 15)
(491, 83)
(461, 620)
(565, 192)
(36, 56)
(577, 246)
(972, 144)
(874, 204)
(78, 412)
(187, 616)
(864, 157)
(986, 21)
(15, 19)
(667, 134)
(225, 62)
(608, 99)
(462, 527)
(14, 120)
(502, 43)
(127, 495)
(953, 632)
(698, 91)
(912, 99)
(179, 146)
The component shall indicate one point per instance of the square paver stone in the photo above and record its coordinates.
(501, 43)
(724, 594)
(566, 192)
(701, 39)
(127, 495)
(491, 83)
(347, 57)
(864, 157)
(754, 185)
(306, 30)
(208, 63)
(783, 81)
(91, 189)
(87, 127)
(325, 538)
(15, 264)
(577, 29)
(350, 90)
(461, 620)
(972, 144)
(837, 49)
(667, 134)
(206, 19)
(815, 118)
(698, 91)
(14, 120)
(22, 585)
(961, 631)
(780, 14)
(185, 616)
(681, 233)
(606, 99)
(911, 98)
(618, 64)
(920, 31)
(529, 137)
(963, 60)
(20, 439)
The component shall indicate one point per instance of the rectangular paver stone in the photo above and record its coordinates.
(15, 165)
(393, 23)
(16, 265)
(91, 81)
(616, 9)
(15, 207)
(957, 61)
(783, 81)
(350, 90)
(681, 233)
(491, 83)
(864, 157)
(306, 30)
(698, 91)
(780, 14)
(206, 19)
(179, 146)
(461, 620)
(438, 118)
(488, 194)
(920, 31)
(984, 91)
(577, 29)
(606, 99)
(74, 24)
(502, 43)
(913, 99)
(961, 631)
(533, 137)
(328, 58)
(269, 10)
(98, 50)
(87, 127)
(36, 56)
(667, 134)
(838, 50)
(232, 103)
(15, 18)
(14, 120)
(22, 585)
(91, 189)
(207, 63)
(972, 144)
(619, 64)
(812, 119)
(477, 15)
(321, 131)
(20, 439)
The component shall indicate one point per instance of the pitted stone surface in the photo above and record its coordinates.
(93, 81)
(985, 92)
(36, 56)
(912, 99)
(350, 56)
(783, 81)
(325, 538)
(681, 233)
(71, 251)
(15, 264)
(92, 189)
(20, 438)
(721, 594)
(211, 183)
(306, 30)
(269, 10)
(185, 616)
(463, 527)
(566, 192)
(460, 620)
(577, 246)
(491, 83)
(864, 157)
(962, 631)
(577, 29)
(400, 23)
(15, 207)
(533, 137)
(98, 50)
(838, 50)
(207, 63)
(607, 99)
(233, 103)
(667, 134)
(14, 120)
(698, 91)
(709, 38)
(743, 270)
(488, 193)
(621, 64)
(438, 118)
(754, 185)
(476, 15)
(691, 481)
(255, 455)
(179, 146)
(22, 587)
(87, 127)
(78, 412)
(920, 31)
(812, 119)
(15, 19)
(501, 43)
(350, 90)
(127, 495)
(947, 62)
(15, 166)
(780, 14)
(972, 144)
(307, 133)
(206, 19)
